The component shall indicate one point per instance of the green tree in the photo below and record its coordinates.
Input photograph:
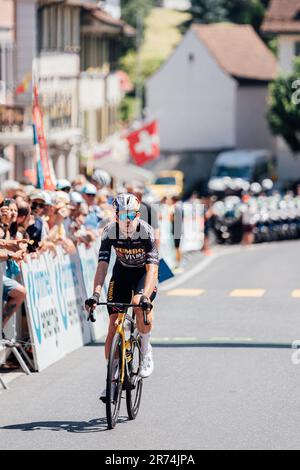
(284, 108)
(134, 11)
(235, 11)
(208, 11)
(247, 11)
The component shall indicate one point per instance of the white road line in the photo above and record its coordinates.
(225, 338)
(243, 339)
(184, 339)
(225, 341)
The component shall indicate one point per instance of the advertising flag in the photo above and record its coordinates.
(42, 159)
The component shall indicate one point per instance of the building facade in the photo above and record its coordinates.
(11, 118)
(70, 49)
(211, 95)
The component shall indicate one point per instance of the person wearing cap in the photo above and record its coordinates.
(74, 226)
(63, 185)
(76, 200)
(94, 217)
(61, 212)
(58, 214)
(24, 219)
(47, 212)
(101, 179)
(35, 231)
(9, 188)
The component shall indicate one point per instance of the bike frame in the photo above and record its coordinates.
(122, 316)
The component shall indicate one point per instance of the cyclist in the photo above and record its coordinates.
(135, 272)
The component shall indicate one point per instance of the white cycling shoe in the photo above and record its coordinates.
(147, 365)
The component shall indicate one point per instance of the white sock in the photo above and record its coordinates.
(145, 342)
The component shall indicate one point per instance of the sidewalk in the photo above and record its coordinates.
(8, 376)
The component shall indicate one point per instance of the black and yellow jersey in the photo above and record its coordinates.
(134, 252)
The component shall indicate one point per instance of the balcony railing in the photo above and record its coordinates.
(7, 65)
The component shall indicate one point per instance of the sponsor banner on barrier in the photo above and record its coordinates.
(54, 306)
(69, 294)
(42, 314)
(89, 262)
(193, 227)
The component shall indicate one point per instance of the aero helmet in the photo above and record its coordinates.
(126, 202)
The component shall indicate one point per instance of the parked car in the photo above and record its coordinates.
(168, 183)
(238, 168)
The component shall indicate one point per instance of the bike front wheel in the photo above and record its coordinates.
(134, 383)
(113, 382)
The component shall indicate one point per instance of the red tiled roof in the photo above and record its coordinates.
(106, 18)
(238, 50)
(283, 16)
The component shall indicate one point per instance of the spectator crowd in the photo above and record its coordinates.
(33, 221)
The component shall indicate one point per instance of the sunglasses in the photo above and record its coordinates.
(131, 215)
(35, 205)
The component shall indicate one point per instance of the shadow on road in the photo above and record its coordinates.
(94, 425)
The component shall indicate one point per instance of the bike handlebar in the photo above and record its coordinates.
(120, 305)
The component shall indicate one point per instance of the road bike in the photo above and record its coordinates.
(124, 364)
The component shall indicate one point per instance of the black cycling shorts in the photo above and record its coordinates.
(124, 284)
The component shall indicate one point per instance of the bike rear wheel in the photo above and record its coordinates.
(113, 382)
(134, 382)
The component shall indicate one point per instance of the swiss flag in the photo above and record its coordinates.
(144, 144)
